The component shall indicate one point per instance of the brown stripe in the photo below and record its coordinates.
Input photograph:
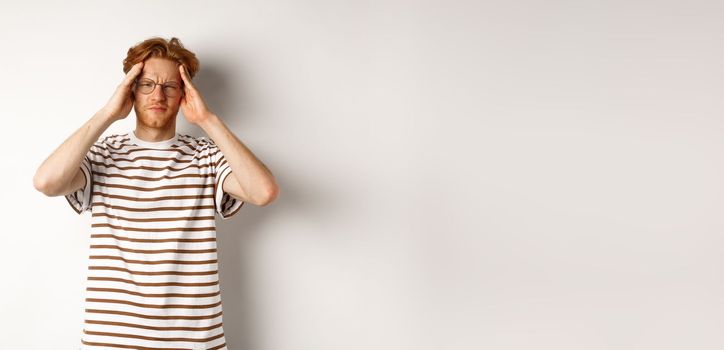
(154, 317)
(153, 199)
(124, 324)
(154, 262)
(113, 136)
(154, 284)
(117, 138)
(75, 198)
(220, 165)
(136, 347)
(155, 273)
(110, 145)
(146, 295)
(174, 159)
(167, 187)
(141, 251)
(177, 149)
(141, 347)
(122, 335)
(237, 209)
(142, 229)
(218, 186)
(149, 167)
(195, 147)
(218, 347)
(153, 306)
(121, 238)
(144, 178)
(188, 140)
(228, 202)
(77, 202)
(188, 218)
(225, 197)
(198, 207)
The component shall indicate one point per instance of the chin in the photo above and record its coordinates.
(154, 121)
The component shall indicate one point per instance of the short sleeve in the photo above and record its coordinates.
(225, 204)
(80, 199)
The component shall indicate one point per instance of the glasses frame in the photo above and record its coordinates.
(137, 80)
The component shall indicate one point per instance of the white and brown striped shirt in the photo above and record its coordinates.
(153, 280)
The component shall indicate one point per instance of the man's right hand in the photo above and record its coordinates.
(60, 173)
(120, 104)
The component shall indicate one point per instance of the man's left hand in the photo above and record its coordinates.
(192, 103)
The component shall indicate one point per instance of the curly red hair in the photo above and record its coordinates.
(171, 49)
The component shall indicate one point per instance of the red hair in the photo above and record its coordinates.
(159, 47)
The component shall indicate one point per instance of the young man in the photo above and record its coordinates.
(153, 270)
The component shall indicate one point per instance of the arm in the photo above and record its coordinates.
(250, 180)
(60, 173)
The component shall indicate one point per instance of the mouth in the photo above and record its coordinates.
(157, 109)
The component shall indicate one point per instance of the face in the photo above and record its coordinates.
(161, 71)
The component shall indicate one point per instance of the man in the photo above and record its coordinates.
(153, 270)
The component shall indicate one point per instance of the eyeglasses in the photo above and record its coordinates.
(146, 86)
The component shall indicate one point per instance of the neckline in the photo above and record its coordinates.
(148, 144)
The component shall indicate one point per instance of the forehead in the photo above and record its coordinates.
(160, 69)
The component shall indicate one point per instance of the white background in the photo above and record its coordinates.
(454, 174)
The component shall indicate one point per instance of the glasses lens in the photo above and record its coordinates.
(145, 86)
(171, 90)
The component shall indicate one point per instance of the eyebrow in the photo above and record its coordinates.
(146, 75)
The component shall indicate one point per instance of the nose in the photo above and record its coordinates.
(157, 93)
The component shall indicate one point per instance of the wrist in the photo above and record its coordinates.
(104, 116)
(207, 121)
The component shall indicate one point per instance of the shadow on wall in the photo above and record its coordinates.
(235, 235)
(306, 194)
(235, 239)
(225, 97)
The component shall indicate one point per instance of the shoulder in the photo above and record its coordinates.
(111, 142)
(200, 144)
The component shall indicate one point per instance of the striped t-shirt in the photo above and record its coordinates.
(153, 280)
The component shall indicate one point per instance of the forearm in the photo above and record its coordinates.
(252, 175)
(57, 171)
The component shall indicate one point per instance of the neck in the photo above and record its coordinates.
(151, 134)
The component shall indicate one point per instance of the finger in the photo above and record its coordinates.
(133, 73)
(136, 68)
(184, 76)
